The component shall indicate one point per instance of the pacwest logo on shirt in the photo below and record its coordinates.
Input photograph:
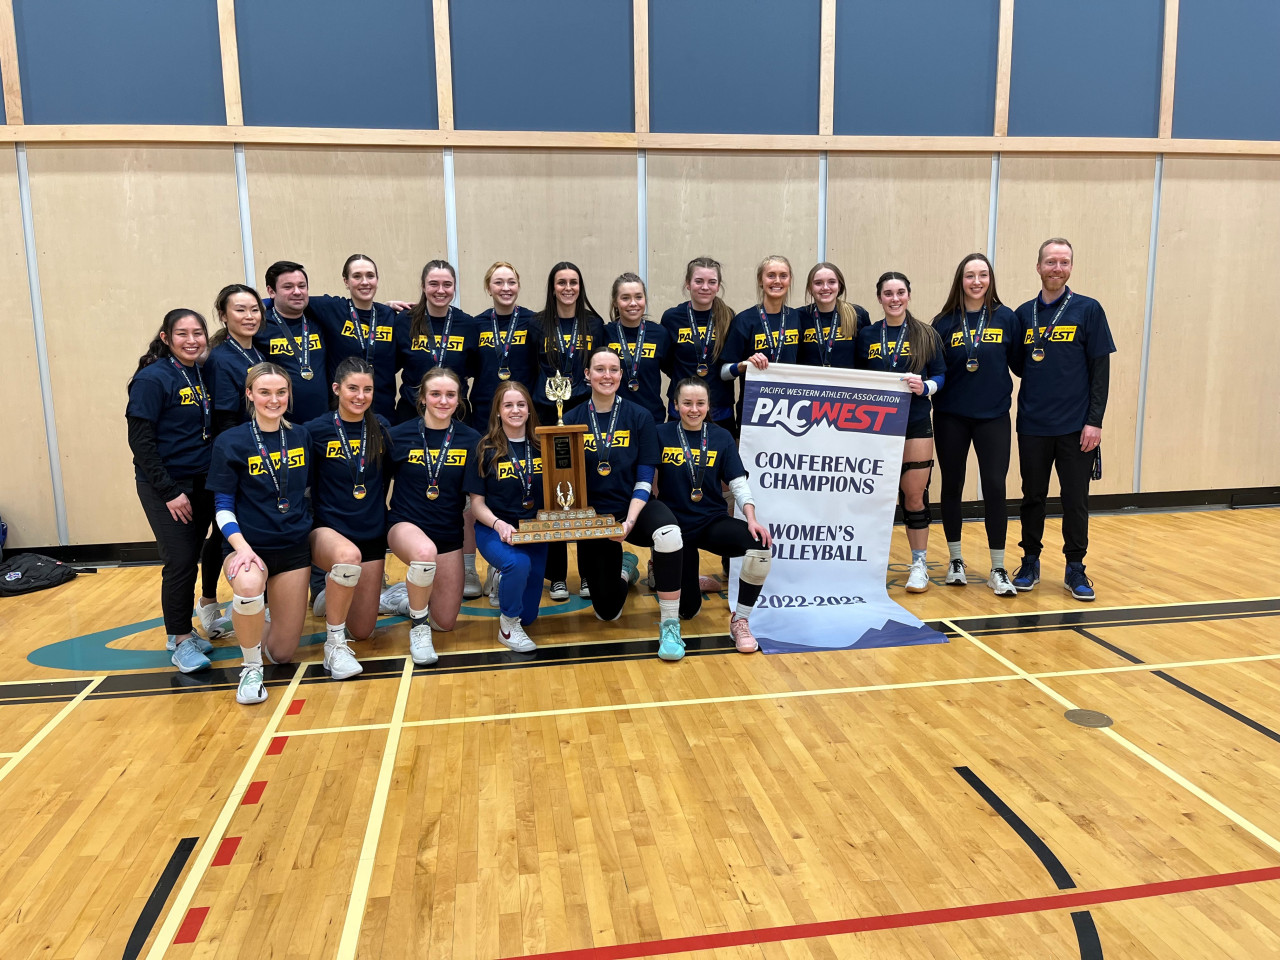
(384, 334)
(456, 457)
(620, 439)
(507, 470)
(650, 350)
(297, 458)
(518, 339)
(333, 449)
(188, 397)
(988, 336)
(1059, 335)
(874, 351)
(424, 343)
(789, 337)
(686, 334)
(675, 455)
(280, 345)
(811, 335)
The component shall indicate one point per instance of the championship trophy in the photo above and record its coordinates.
(564, 474)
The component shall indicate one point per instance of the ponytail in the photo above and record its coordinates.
(158, 348)
(349, 367)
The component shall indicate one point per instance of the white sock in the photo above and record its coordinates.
(252, 656)
(469, 562)
(335, 634)
(953, 548)
(742, 612)
(997, 560)
(418, 614)
(668, 609)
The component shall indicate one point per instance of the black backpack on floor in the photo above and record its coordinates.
(28, 572)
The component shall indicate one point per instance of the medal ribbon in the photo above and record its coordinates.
(973, 340)
(355, 466)
(570, 349)
(366, 342)
(288, 340)
(444, 338)
(828, 340)
(774, 347)
(897, 347)
(633, 359)
(433, 466)
(1036, 339)
(202, 395)
(281, 491)
(702, 344)
(523, 470)
(500, 345)
(695, 477)
(603, 443)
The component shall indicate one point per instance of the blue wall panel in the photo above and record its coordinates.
(542, 65)
(329, 63)
(1088, 68)
(734, 66)
(916, 67)
(123, 61)
(1228, 79)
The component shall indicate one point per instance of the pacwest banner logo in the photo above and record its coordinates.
(188, 397)
(811, 335)
(383, 335)
(456, 458)
(1059, 335)
(797, 417)
(620, 439)
(686, 334)
(333, 450)
(650, 350)
(988, 336)
(874, 351)
(675, 456)
(279, 346)
(789, 337)
(518, 339)
(507, 470)
(297, 458)
(424, 343)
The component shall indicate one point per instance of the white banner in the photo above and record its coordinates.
(823, 448)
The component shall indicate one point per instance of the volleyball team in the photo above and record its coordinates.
(285, 431)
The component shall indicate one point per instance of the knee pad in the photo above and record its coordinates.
(345, 574)
(667, 539)
(917, 465)
(421, 573)
(248, 606)
(755, 566)
(917, 519)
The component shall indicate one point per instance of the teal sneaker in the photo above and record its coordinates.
(203, 645)
(187, 657)
(670, 643)
(630, 567)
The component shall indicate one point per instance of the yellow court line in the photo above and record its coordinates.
(48, 728)
(1093, 609)
(350, 940)
(14, 683)
(164, 937)
(541, 646)
(1133, 748)
(4, 755)
(1174, 665)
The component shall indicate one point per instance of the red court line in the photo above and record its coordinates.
(295, 708)
(254, 793)
(917, 918)
(226, 851)
(191, 925)
(277, 746)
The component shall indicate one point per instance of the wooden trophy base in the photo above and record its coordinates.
(563, 525)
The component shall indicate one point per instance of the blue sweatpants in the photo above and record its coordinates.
(520, 590)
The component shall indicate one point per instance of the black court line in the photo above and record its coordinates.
(1136, 616)
(1121, 653)
(159, 897)
(1082, 920)
(56, 691)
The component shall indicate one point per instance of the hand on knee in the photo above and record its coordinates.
(755, 566)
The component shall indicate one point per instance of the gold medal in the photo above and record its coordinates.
(504, 373)
(972, 365)
(433, 492)
(360, 492)
(703, 369)
(1037, 354)
(603, 468)
(306, 373)
(696, 495)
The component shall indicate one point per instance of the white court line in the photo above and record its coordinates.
(350, 940)
(15, 683)
(1133, 748)
(50, 724)
(178, 911)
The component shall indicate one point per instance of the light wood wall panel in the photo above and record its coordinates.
(124, 234)
(1103, 206)
(918, 215)
(737, 208)
(535, 208)
(1212, 417)
(317, 206)
(26, 489)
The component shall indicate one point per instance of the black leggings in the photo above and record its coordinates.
(726, 536)
(608, 589)
(180, 546)
(952, 436)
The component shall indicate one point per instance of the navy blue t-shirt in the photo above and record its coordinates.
(342, 340)
(1053, 399)
(747, 336)
(815, 333)
(238, 469)
(501, 486)
(159, 393)
(655, 361)
(439, 519)
(686, 354)
(869, 358)
(988, 391)
(225, 373)
(635, 444)
(675, 484)
(522, 360)
(414, 357)
(333, 480)
(590, 332)
(310, 397)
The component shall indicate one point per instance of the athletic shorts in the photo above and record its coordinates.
(920, 429)
(296, 557)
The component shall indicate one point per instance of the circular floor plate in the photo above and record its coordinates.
(1088, 718)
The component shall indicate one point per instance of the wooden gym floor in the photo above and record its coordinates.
(592, 802)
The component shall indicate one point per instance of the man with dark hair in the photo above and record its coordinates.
(291, 338)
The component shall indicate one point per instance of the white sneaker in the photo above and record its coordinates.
(559, 590)
(1000, 583)
(317, 606)
(918, 579)
(584, 591)
(251, 688)
(420, 648)
(394, 601)
(516, 639)
(214, 621)
(341, 662)
(488, 580)
(955, 574)
(495, 580)
(471, 586)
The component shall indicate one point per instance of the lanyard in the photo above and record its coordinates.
(632, 360)
(570, 348)
(604, 443)
(245, 353)
(200, 394)
(355, 466)
(768, 332)
(523, 470)
(701, 344)
(433, 465)
(828, 340)
(282, 488)
(438, 357)
(695, 476)
(288, 341)
(1036, 337)
(897, 347)
(503, 345)
(366, 342)
(973, 340)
